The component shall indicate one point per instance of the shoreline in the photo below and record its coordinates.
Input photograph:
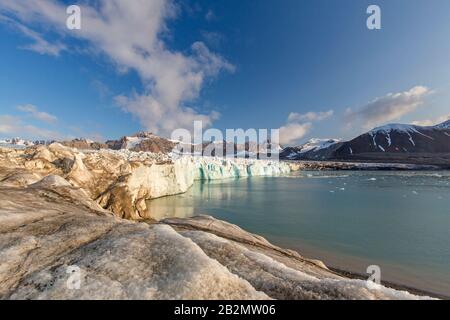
(390, 284)
(349, 266)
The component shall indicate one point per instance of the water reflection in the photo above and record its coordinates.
(201, 197)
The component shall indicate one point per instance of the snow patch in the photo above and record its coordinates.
(397, 127)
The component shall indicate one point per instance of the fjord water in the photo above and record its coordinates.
(399, 221)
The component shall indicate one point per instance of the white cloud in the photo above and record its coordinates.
(130, 34)
(432, 122)
(11, 126)
(41, 45)
(388, 108)
(299, 125)
(292, 132)
(158, 118)
(310, 116)
(33, 111)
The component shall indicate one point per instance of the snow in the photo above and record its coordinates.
(411, 140)
(389, 140)
(132, 142)
(312, 145)
(16, 142)
(397, 127)
(394, 127)
(317, 144)
(373, 135)
(444, 125)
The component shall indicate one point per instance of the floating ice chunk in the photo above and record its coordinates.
(415, 192)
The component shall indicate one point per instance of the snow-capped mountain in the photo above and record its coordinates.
(309, 150)
(149, 142)
(18, 142)
(142, 141)
(393, 142)
(444, 125)
(398, 139)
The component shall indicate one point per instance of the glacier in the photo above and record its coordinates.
(209, 168)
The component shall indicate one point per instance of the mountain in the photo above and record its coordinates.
(399, 139)
(84, 144)
(444, 125)
(20, 143)
(149, 142)
(313, 149)
(142, 141)
(390, 143)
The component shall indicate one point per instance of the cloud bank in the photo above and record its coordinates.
(299, 125)
(131, 35)
(11, 126)
(310, 116)
(388, 108)
(432, 122)
(33, 111)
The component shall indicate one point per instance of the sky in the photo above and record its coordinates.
(310, 68)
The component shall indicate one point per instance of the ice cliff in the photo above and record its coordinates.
(215, 168)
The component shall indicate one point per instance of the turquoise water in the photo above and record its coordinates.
(350, 220)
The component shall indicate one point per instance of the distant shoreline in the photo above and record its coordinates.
(390, 284)
(360, 165)
(343, 265)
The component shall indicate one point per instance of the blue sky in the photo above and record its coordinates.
(310, 67)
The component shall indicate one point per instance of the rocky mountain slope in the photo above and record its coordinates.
(399, 138)
(148, 142)
(61, 208)
(395, 143)
(313, 149)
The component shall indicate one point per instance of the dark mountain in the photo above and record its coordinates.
(400, 139)
(390, 143)
(316, 149)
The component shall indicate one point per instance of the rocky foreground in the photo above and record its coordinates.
(61, 208)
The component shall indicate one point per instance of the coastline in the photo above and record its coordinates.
(354, 268)
(389, 284)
